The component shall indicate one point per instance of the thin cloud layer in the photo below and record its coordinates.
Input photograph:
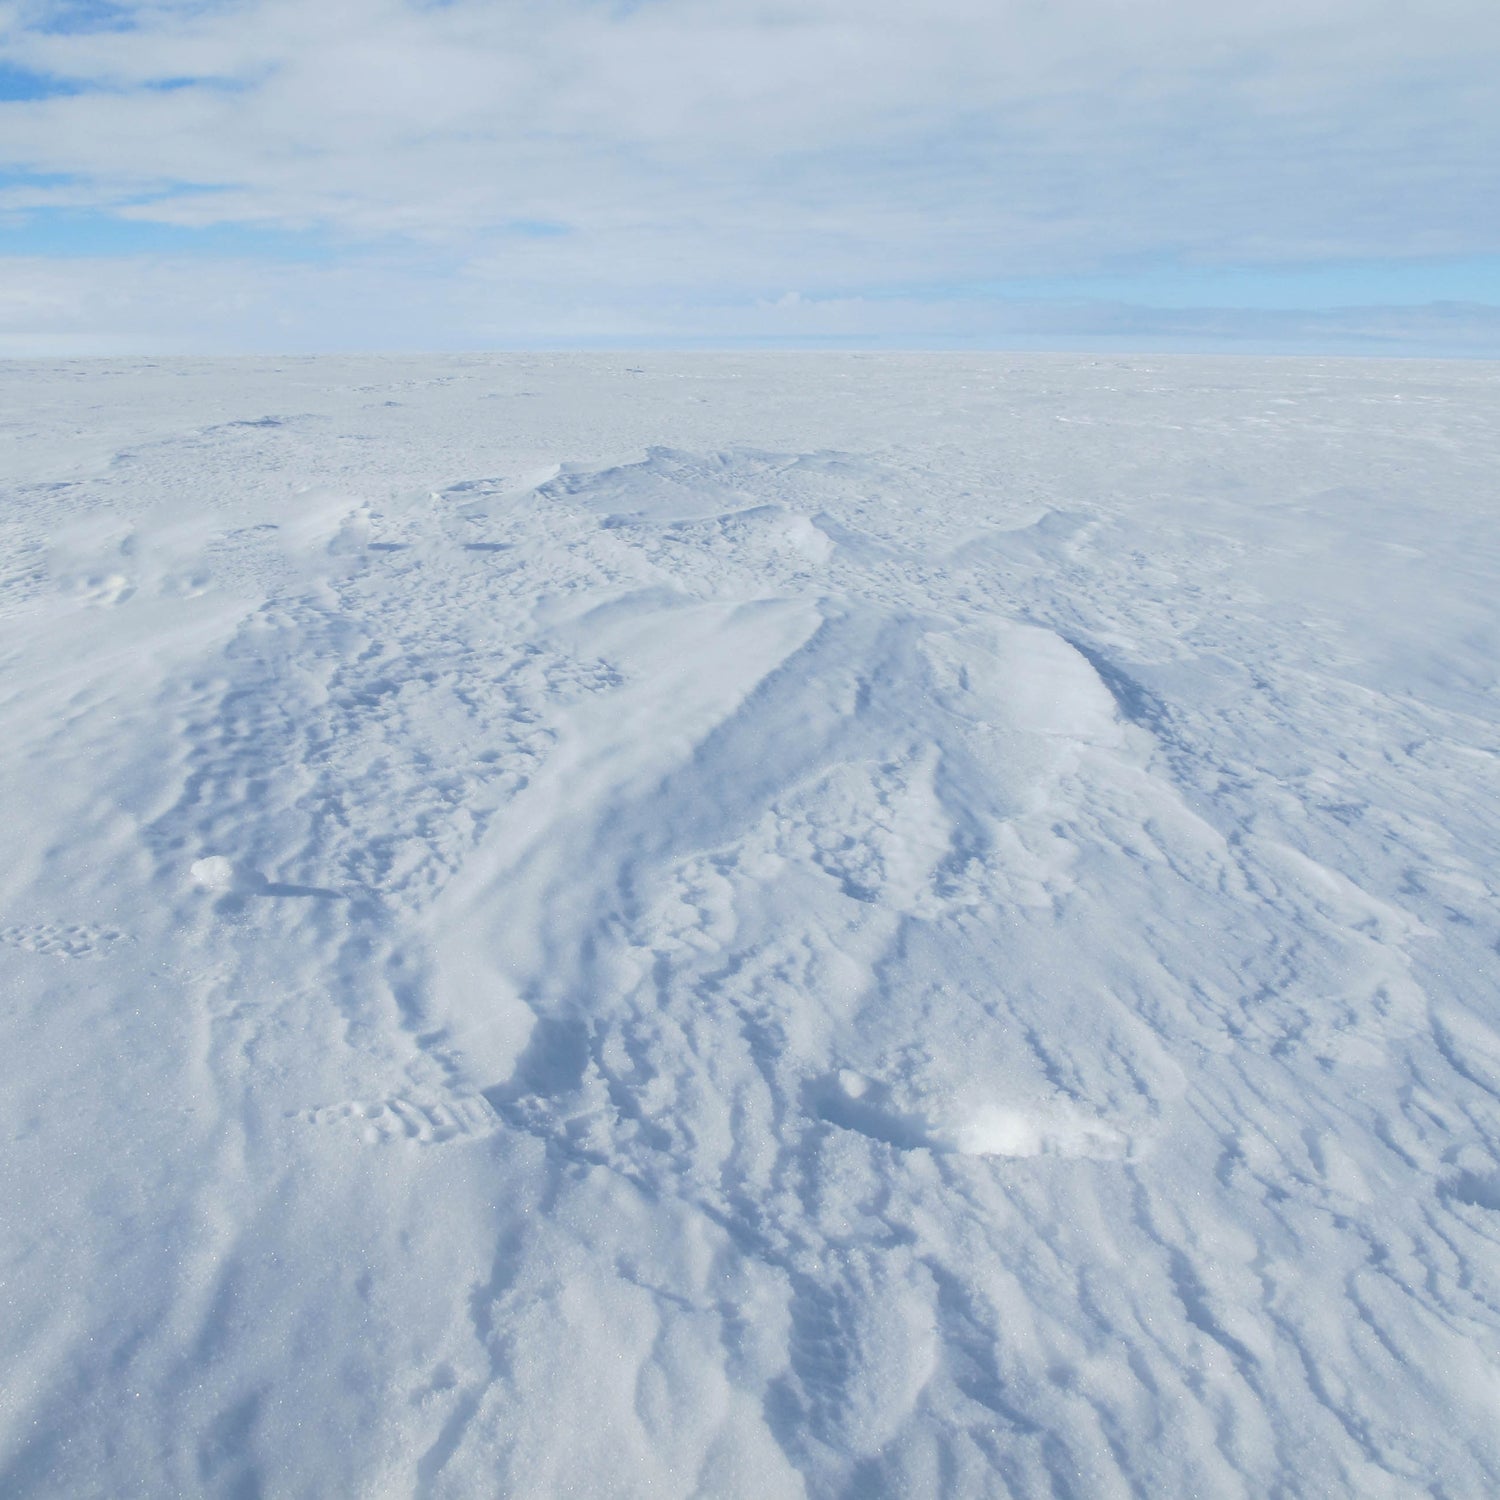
(624, 156)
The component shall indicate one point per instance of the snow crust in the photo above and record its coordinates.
(766, 926)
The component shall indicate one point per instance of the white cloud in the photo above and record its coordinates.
(731, 148)
(125, 305)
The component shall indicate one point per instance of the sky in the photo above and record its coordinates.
(241, 176)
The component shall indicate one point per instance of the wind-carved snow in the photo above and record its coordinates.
(873, 966)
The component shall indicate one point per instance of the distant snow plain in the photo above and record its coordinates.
(832, 925)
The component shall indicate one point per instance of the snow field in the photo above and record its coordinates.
(751, 927)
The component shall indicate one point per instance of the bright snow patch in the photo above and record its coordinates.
(215, 873)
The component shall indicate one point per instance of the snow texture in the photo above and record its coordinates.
(750, 926)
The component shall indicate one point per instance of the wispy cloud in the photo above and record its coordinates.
(634, 159)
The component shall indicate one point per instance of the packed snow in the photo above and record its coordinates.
(755, 926)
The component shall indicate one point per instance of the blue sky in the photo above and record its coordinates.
(206, 176)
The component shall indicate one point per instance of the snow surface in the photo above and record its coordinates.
(750, 926)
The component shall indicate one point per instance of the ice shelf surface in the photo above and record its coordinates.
(750, 926)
